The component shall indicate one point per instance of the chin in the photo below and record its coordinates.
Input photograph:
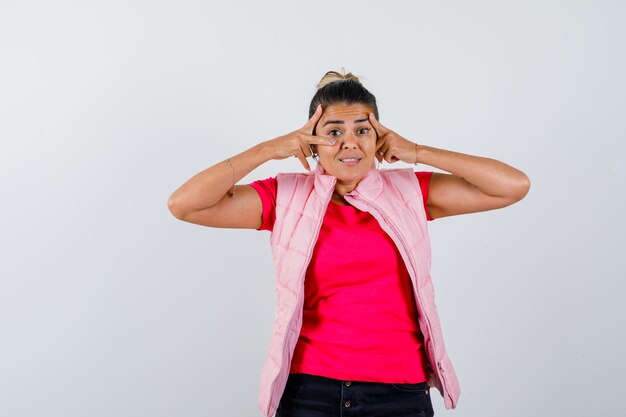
(344, 173)
(342, 177)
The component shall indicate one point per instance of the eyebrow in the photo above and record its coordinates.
(341, 121)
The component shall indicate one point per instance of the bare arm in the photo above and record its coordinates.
(204, 198)
(475, 183)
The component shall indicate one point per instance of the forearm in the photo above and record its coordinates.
(489, 175)
(208, 187)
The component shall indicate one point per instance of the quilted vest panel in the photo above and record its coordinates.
(393, 197)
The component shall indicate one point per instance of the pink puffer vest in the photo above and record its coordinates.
(394, 198)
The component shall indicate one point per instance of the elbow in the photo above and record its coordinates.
(174, 208)
(521, 187)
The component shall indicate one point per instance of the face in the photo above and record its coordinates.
(353, 154)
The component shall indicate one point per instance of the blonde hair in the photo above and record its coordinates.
(332, 76)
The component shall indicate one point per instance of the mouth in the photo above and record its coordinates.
(350, 161)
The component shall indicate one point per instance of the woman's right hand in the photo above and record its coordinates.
(203, 199)
(298, 143)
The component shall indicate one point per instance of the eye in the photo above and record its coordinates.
(331, 132)
(367, 129)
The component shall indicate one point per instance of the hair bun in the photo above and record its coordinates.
(334, 76)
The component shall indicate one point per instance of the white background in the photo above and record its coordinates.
(110, 306)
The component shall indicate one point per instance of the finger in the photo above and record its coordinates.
(380, 129)
(391, 158)
(385, 153)
(319, 140)
(388, 156)
(306, 150)
(303, 160)
(314, 119)
(378, 153)
(380, 143)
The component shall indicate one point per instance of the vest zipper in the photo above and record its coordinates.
(306, 265)
(441, 376)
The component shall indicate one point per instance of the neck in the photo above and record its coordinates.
(342, 189)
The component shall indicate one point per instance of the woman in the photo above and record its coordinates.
(356, 328)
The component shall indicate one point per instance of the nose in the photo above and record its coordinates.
(349, 141)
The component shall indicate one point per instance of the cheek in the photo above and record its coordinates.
(372, 142)
(326, 151)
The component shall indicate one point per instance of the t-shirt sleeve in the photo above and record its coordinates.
(423, 177)
(267, 191)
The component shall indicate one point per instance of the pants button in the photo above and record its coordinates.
(347, 404)
(348, 383)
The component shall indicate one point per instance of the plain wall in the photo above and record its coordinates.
(110, 306)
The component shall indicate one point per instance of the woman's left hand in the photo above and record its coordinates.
(392, 147)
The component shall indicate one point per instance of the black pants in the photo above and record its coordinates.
(317, 396)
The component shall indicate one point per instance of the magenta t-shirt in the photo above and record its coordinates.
(359, 316)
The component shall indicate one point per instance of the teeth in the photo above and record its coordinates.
(349, 160)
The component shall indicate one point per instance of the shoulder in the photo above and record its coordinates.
(289, 182)
(266, 186)
(423, 177)
(296, 177)
(414, 180)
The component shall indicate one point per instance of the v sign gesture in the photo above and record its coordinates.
(203, 199)
(392, 147)
(475, 183)
(298, 143)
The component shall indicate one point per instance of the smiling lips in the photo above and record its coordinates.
(350, 161)
(350, 158)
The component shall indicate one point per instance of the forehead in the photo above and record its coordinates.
(347, 113)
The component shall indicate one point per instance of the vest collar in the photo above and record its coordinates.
(370, 186)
